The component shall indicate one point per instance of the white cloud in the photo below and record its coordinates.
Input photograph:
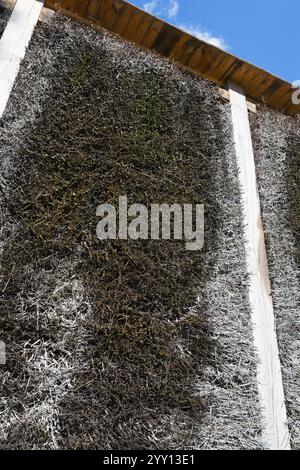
(204, 36)
(169, 8)
(173, 9)
(151, 7)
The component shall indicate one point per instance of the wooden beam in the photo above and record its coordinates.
(270, 385)
(14, 42)
(206, 60)
(225, 94)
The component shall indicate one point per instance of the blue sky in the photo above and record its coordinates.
(264, 32)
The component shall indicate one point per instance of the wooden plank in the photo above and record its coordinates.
(139, 34)
(181, 47)
(263, 320)
(81, 7)
(93, 9)
(225, 94)
(133, 31)
(204, 59)
(189, 48)
(152, 33)
(167, 39)
(68, 5)
(107, 14)
(123, 20)
(13, 44)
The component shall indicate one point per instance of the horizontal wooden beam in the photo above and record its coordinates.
(226, 96)
(208, 61)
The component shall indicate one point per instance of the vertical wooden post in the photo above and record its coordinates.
(263, 319)
(14, 42)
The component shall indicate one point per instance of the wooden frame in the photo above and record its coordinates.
(133, 24)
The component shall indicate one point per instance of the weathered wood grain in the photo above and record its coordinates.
(217, 65)
(260, 296)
